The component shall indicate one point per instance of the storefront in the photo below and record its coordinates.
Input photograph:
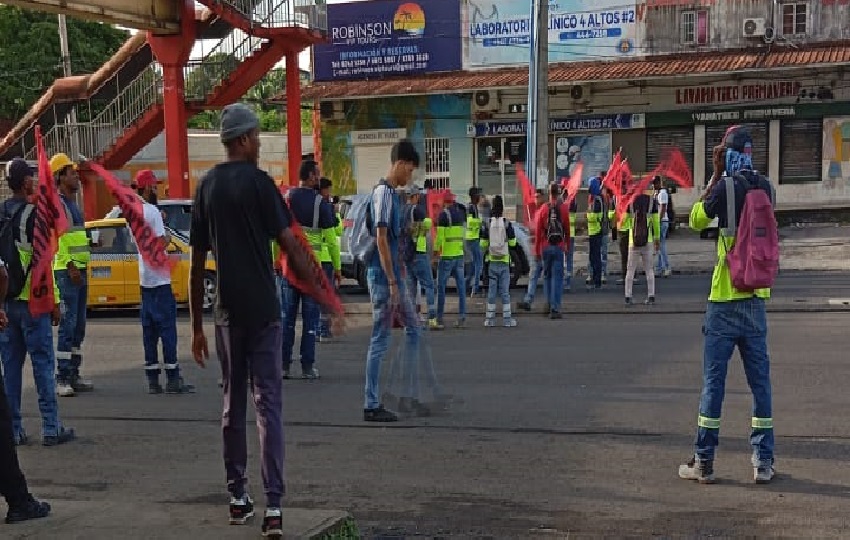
(589, 139)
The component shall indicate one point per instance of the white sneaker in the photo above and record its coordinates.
(490, 322)
(510, 322)
(64, 390)
(763, 475)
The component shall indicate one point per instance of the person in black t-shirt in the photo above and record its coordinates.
(237, 213)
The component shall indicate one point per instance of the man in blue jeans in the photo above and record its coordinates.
(473, 240)
(449, 247)
(537, 270)
(733, 318)
(25, 333)
(551, 240)
(69, 269)
(419, 273)
(662, 201)
(390, 299)
(316, 217)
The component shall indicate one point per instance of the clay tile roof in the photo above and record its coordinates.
(579, 72)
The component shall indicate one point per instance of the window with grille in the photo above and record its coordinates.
(695, 27)
(437, 162)
(795, 18)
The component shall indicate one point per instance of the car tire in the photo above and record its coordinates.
(210, 290)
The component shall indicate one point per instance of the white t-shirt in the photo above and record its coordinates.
(148, 277)
(662, 199)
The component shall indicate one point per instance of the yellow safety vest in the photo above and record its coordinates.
(450, 238)
(25, 254)
(74, 245)
(473, 224)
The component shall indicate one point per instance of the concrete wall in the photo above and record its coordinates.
(827, 20)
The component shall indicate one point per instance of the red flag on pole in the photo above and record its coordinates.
(574, 183)
(151, 248)
(50, 223)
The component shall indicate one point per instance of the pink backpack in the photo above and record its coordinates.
(754, 259)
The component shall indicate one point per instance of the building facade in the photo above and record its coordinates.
(639, 76)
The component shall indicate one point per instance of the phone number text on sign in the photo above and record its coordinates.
(378, 65)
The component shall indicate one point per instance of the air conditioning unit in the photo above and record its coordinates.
(754, 27)
(580, 92)
(769, 35)
(486, 101)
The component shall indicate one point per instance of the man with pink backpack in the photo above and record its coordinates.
(747, 262)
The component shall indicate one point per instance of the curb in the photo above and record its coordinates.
(341, 526)
(365, 309)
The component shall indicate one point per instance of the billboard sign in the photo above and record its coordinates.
(579, 31)
(389, 38)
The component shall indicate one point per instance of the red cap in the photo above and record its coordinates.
(145, 178)
(449, 197)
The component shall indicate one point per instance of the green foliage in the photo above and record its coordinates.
(203, 78)
(346, 531)
(30, 59)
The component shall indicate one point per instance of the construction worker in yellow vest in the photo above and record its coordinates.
(623, 228)
(69, 268)
(329, 259)
(449, 248)
(473, 236)
(419, 274)
(733, 318)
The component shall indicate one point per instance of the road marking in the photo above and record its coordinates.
(839, 301)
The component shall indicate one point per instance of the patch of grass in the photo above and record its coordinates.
(347, 530)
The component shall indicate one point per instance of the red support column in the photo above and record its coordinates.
(293, 115)
(173, 53)
(89, 182)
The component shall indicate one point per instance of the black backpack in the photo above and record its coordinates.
(9, 252)
(554, 226)
(640, 222)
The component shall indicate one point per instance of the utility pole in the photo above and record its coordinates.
(71, 119)
(537, 163)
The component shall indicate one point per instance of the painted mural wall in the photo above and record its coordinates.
(436, 116)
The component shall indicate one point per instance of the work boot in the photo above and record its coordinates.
(177, 386)
(155, 388)
(763, 473)
(700, 470)
(81, 385)
(525, 306)
(64, 435)
(30, 508)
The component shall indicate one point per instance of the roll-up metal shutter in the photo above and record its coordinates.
(758, 131)
(800, 145)
(657, 139)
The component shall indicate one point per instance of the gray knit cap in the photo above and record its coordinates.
(237, 119)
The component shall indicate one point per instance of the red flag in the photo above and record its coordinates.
(672, 166)
(529, 198)
(434, 201)
(574, 183)
(317, 287)
(50, 223)
(612, 178)
(151, 248)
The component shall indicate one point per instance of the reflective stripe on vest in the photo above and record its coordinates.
(22, 243)
(708, 423)
(314, 233)
(762, 423)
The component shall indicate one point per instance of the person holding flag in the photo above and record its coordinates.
(26, 332)
(69, 271)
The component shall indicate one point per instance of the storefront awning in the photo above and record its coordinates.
(694, 64)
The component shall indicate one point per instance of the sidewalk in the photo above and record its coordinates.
(105, 520)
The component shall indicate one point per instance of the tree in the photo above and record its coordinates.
(272, 116)
(30, 58)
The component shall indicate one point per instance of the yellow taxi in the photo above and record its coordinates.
(113, 271)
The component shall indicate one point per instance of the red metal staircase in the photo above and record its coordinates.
(261, 32)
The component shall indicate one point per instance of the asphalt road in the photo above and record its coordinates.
(567, 428)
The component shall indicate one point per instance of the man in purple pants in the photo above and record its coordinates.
(237, 213)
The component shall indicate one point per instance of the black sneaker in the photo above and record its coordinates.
(64, 435)
(241, 510)
(413, 406)
(21, 439)
(155, 388)
(178, 386)
(287, 374)
(379, 414)
(554, 314)
(273, 524)
(525, 306)
(628, 300)
(32, 508)
(650, 301)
